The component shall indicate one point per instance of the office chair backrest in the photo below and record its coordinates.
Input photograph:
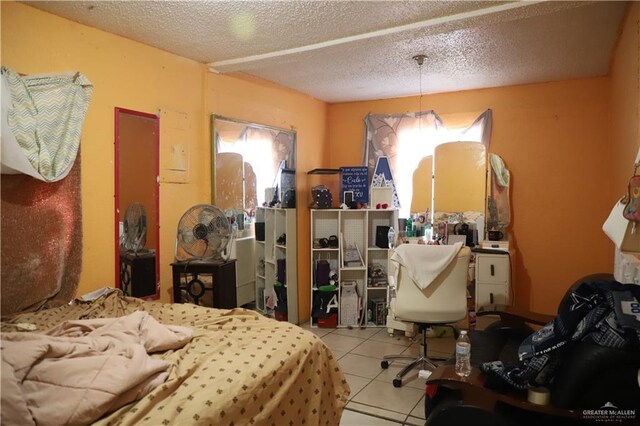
(443, 301)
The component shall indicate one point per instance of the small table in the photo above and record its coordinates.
(474, 393)
(206, 283)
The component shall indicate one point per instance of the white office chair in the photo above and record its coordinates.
(443, 302)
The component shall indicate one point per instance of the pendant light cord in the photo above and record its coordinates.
(420, 60)
(420, 102)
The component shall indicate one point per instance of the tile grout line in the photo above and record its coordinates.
(377, 417)
(351, 399)
(378, 408)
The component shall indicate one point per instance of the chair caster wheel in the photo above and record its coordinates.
(397, 383)
(384, 364)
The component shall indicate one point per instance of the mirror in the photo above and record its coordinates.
(459, 177)
(457, 192)
(136, 203)
(459, 183)
(249, 158)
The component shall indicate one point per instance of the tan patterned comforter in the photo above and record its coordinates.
(240, 368)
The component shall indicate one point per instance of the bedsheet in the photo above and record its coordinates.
(99, 365)
(240, 368)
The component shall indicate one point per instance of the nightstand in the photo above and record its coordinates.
(211, 283)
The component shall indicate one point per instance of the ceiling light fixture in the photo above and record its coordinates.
(420, 60)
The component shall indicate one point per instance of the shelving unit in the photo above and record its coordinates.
(270, 253)
(352, 228)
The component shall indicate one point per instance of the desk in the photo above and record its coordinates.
(211, 283)
(475, 394)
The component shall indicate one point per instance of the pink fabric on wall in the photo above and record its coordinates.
(41, 241)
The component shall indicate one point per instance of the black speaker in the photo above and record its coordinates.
(138, 274)
(382, 236)
(259, 231)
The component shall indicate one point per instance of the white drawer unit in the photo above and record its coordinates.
(243, 250)
(493, 279)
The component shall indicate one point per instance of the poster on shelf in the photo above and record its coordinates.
(355, 180)
(382, 178)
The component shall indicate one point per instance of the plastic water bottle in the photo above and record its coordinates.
(391, 236)
(463, 355)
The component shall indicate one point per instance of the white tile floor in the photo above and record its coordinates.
(373, 399)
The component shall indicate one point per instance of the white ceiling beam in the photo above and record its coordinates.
(236, 64)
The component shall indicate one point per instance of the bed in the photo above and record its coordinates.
(239, 368)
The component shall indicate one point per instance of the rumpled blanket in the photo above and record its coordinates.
(424, 262)
(83, 369)
(602, 313)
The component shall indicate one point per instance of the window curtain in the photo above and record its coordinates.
(42, 118)
(264, 149)
(422, 130)
(498, 206)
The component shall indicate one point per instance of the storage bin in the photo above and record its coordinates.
(349, 304)
(330, 321)
(281, 271)
(280, 316)
(281, 293)
(325, 301)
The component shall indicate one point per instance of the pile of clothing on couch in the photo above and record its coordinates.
(603, 313)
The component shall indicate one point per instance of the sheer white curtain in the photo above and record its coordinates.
(264, 149)
(407, 138)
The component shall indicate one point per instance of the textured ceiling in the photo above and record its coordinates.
(341, 51)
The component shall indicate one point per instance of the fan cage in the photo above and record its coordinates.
(204, 233)
(134, 237)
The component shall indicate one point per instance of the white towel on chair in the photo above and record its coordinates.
(424, 262)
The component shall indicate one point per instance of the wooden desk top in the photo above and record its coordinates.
(475, 393)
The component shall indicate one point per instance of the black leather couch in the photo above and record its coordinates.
(588, 378)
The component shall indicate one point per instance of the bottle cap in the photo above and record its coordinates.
(463, 331)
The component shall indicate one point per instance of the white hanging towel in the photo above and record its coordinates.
(42, 118)
(271, 298)
(424, 262)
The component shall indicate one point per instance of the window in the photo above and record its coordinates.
(407, 139)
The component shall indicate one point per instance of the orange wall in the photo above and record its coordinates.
(124, 74)
(555, 139)
(246, 98)
(625, 97)
(131, 75)
(562, 143)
